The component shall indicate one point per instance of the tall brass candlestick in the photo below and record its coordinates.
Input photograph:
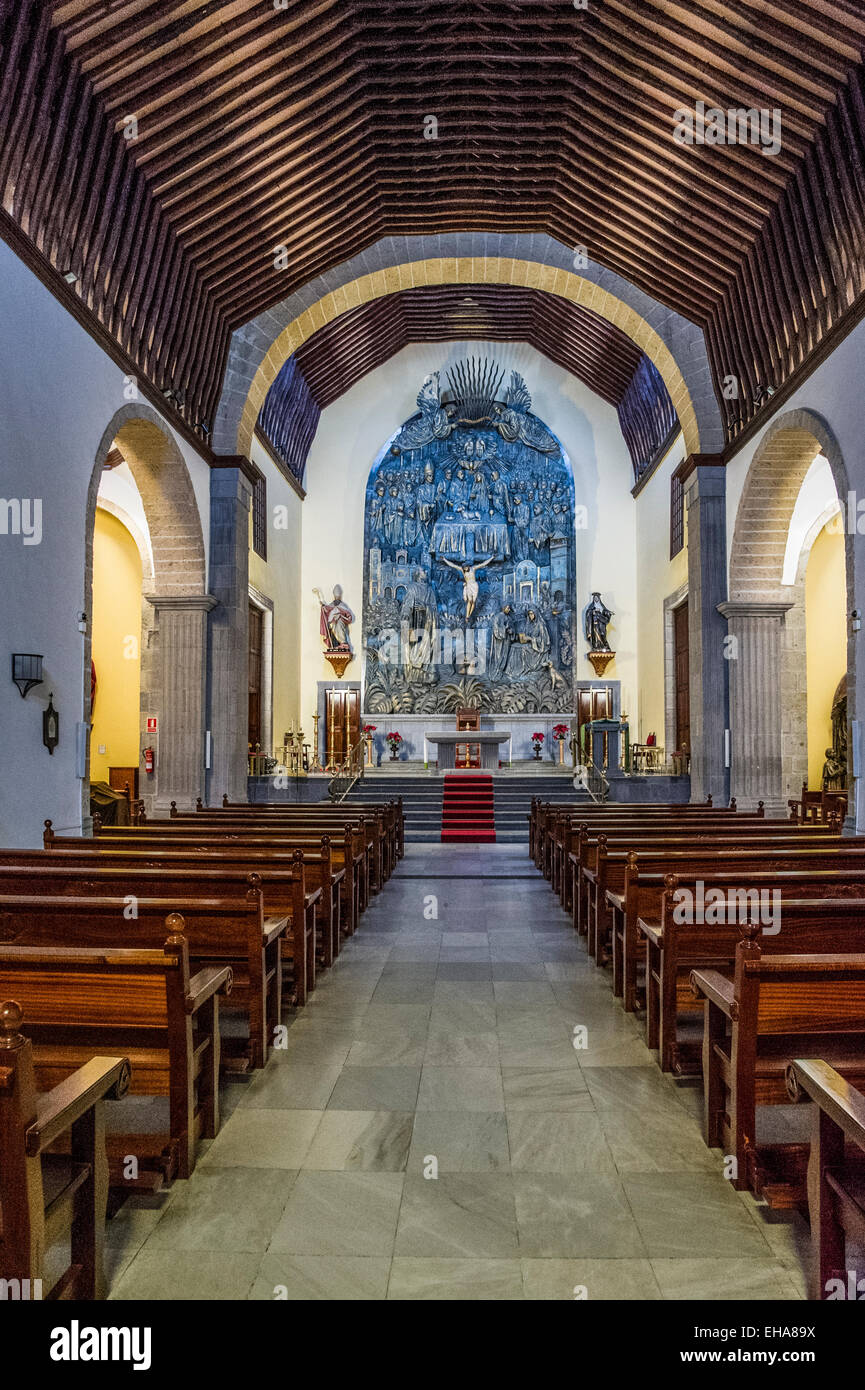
(315, 763)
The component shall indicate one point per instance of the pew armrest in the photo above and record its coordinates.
(213, 979)
(273, 927)
(312, 895)
(615, 898)
(652, 929)
(102, 1078)
(717, 988)
(818, 1081)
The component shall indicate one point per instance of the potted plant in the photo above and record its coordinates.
(537, 744)
(369, 730)
(560, 733)
(393, 742)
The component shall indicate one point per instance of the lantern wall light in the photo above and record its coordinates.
(26, 671)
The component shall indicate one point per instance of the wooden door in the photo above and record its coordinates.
(681, 670)
(256, 629)
(342, 723)
(593, 704)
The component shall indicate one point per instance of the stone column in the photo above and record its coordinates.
(755, 666)
(231, 485)
(179, 697)
(704, 479)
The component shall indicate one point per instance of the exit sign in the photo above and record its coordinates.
(152, 723)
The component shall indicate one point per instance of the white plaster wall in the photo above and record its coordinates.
(58, 393)
(353, 430)
(279, 579)
(657, 578)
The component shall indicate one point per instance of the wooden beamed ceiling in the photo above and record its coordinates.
(342, 352)
(160, 150)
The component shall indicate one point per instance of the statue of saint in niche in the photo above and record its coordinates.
(596, 620)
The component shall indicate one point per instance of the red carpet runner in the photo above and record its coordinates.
(467, 808)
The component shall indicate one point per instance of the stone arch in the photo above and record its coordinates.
(768, 691)
(498, 270)
(175, 603)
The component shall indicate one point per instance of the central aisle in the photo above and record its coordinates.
(445, 1032)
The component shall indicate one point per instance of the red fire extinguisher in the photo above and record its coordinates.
(148, 760)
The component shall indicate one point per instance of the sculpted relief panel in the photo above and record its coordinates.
(469, 556)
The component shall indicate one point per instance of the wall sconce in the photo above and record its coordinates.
(26, 671)
(856, 619)
(51, 725)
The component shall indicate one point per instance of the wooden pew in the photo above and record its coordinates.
(46, 1196)
(676, 948)
(836, 1175)
(144, 1004)
(775, 1005)
(390, 813)
(109, 873)
(582, 840)
(328, 866)
(230, 930)
(600, 864)
(646, 878)
(543, 814)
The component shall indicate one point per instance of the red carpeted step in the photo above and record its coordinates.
(468, 810)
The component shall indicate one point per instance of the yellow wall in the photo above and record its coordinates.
(116, 646)
(826, 642)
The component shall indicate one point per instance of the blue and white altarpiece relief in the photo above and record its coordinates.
(469, 556)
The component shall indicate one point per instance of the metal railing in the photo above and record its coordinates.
(350, 771)
(596, 783)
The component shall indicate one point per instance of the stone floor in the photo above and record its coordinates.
(443, 1040)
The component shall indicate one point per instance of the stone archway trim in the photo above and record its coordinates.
(470, 270)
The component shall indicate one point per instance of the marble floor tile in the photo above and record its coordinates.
(540, 1088)
(318, 1278)
(454, 1279)
(367, 1140)
(290, 1085)
(724, 1280)
(684, 1214)
(224, 1209)
(387, 1050)
(461, 1141)
(622, 1280)
(186, 1275)
(263, 1139)
(376, 1088)
(558, 1141)
(340, 1214)
(458, 1215)
(460, 1088)
(455, 1050)
(575, 1214)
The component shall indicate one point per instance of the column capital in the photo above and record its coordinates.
(186, 603)
(756, 608)
(694, 462)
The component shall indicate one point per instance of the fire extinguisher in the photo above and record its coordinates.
(148, 760)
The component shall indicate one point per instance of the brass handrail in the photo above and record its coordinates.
(351, 770)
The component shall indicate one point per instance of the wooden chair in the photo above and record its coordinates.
(45, 1196)
(836, 1176)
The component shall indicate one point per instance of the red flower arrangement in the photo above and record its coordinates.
(537, 738)
(560, 731)
(393, 740)
(369, 728)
